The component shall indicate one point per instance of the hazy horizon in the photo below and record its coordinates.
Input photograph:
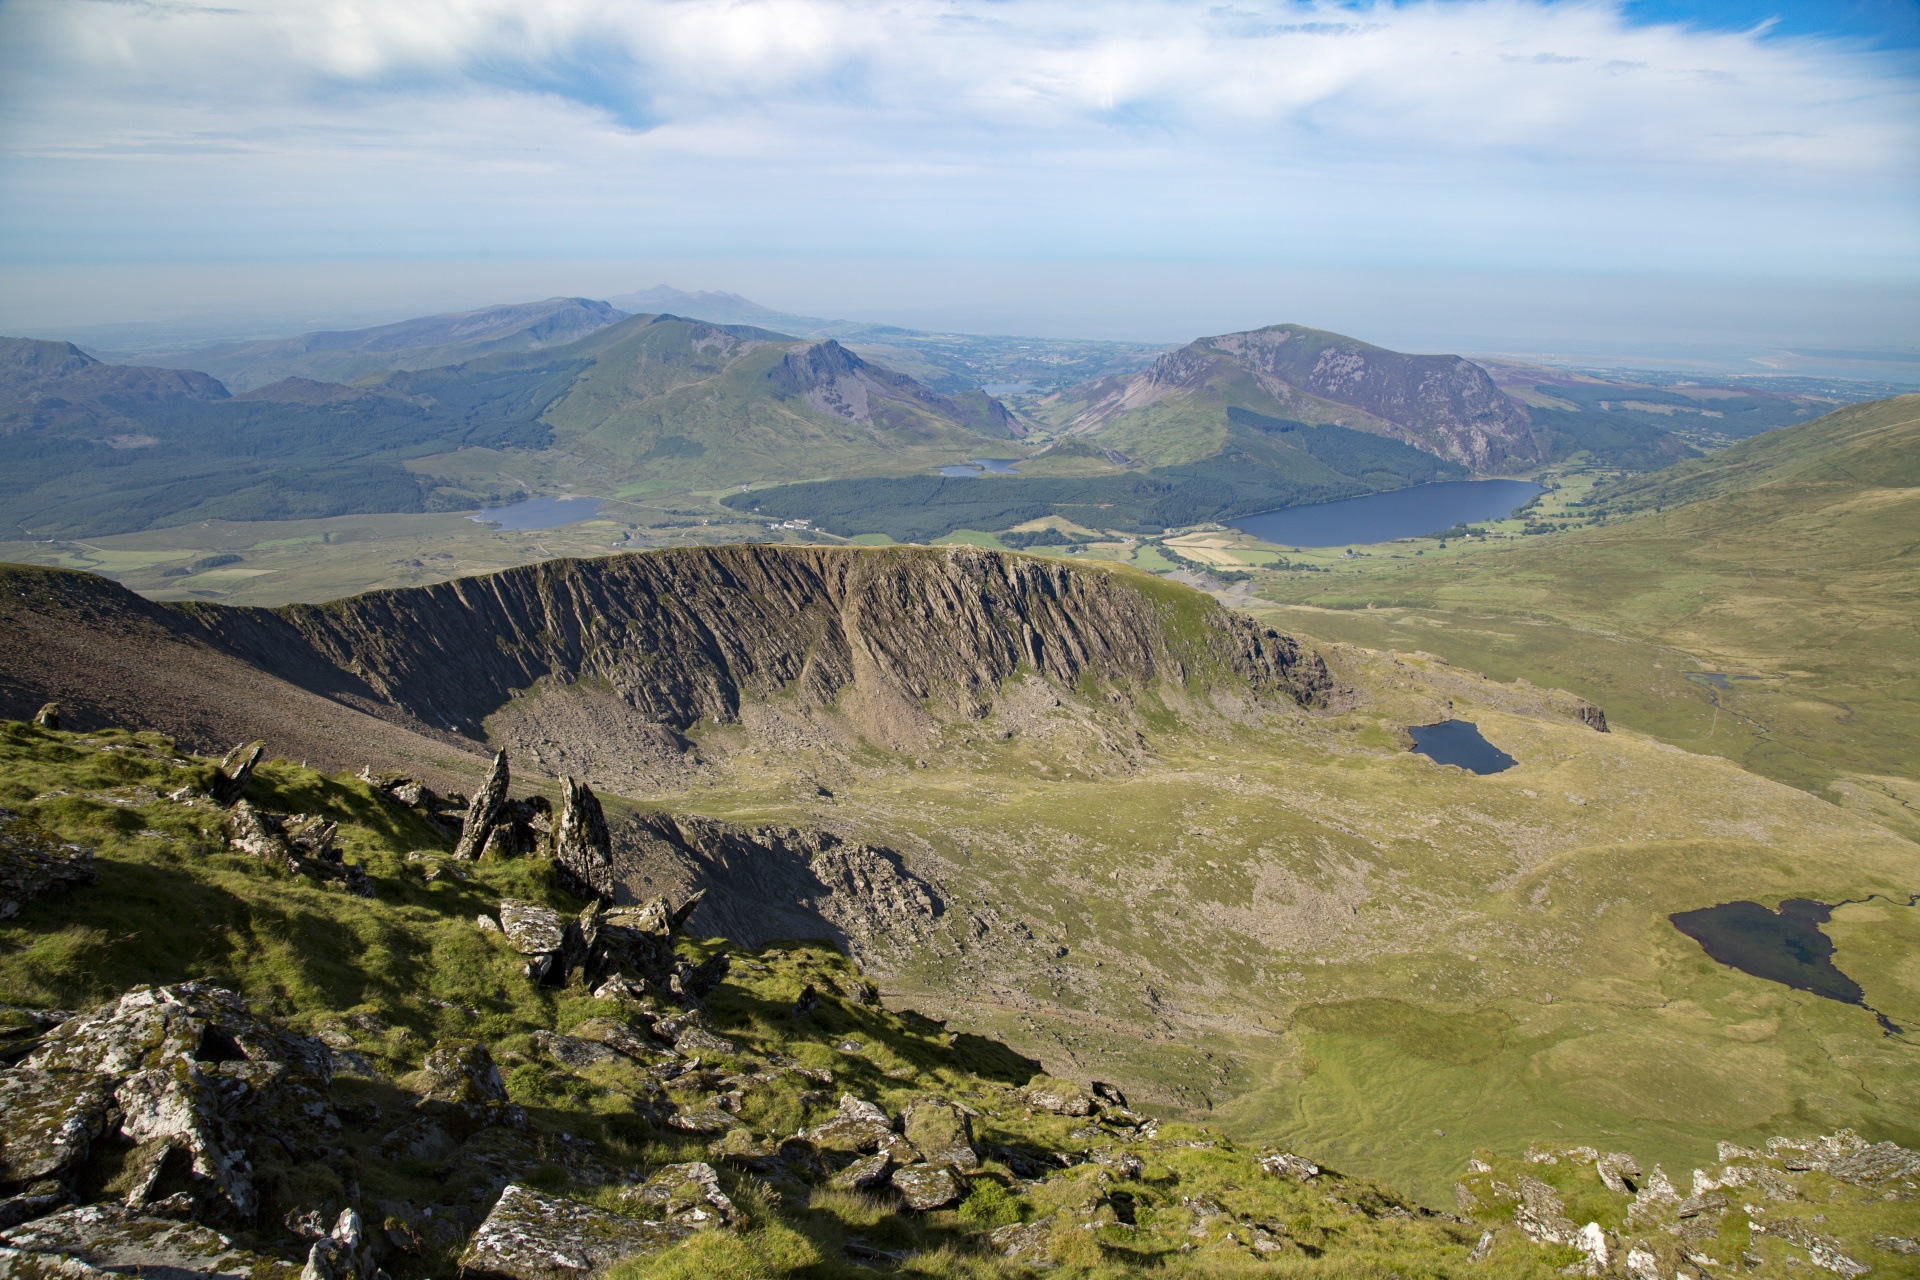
(1556, 175)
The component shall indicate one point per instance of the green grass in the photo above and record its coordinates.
(172, 904)
(1788, 558)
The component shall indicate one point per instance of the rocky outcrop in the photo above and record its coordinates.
(296, 843)
(187, 1077)
(484, 810)
(86, 1242)
(675, 637)
(236, 770)
(762, 883)
(35, 861)
(533, 1236)
(582, 847)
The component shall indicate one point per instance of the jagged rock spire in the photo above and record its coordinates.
(582, 846)
(484, 812)
(236, 771)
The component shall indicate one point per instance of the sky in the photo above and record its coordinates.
(1518, 173)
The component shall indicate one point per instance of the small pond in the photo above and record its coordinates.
(1382, 517)
(1459, 742)
(983, 467)
(540, 513)
(1784, 946)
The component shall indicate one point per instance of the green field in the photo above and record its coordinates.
(1760, 604)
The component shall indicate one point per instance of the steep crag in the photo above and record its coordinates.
(637, 650)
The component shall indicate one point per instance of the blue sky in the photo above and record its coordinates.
(1547, 170)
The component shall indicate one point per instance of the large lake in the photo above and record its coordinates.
(540, 513)
(1382, 517)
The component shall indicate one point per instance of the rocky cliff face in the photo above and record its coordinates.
(669, 639)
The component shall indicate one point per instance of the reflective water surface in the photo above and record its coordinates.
(1460, 742)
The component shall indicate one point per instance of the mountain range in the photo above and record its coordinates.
(476, 408)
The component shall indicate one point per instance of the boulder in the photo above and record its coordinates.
(927, 1186)
(574, 1053)
(483, 811)
(259, 835)
(619, 1037)
(461, 1071)
(48, 716)
(109, 1238)
(941, 1132)
(51, 1119)
(857, 1128)
(868, 1173)
(582, 846)
(1283, 1164)
(533, 1236)
(539, 933)
(236, 771)
(695, 1040)
(686, 1195)
(34, 860)
(1059, 1097)
(343, 1253)
(1591, 716)
(194, 1072)
(1028, 1242)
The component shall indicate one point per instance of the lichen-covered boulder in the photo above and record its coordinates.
(1283, 1164)
(927, 1186)
(48, 1122)
(620, 1037)
(575, 1053)
(687, 1195)
(1059, 1097)
(941, 1132)
(193, 1071)
(532, 1236)
(868, 1173)
(34, 860)
(857, 1128)
(116, 1239)
(461, 1071)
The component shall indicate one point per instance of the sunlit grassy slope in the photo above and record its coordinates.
(1543, 1006)
(1789, 565)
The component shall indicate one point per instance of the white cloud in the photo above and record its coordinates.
(1444, 131)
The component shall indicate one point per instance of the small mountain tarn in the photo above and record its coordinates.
(1459, 742)
(1784, 946)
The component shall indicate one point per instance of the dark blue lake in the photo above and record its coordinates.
(1382, 517)
(1460, 742)
(540, 513)
(1785, 946)
(983, 467)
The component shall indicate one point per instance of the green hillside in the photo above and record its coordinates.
(649, 403)
(667, 401)
(1762, 603)
(717, 1135)
(1258, 463)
